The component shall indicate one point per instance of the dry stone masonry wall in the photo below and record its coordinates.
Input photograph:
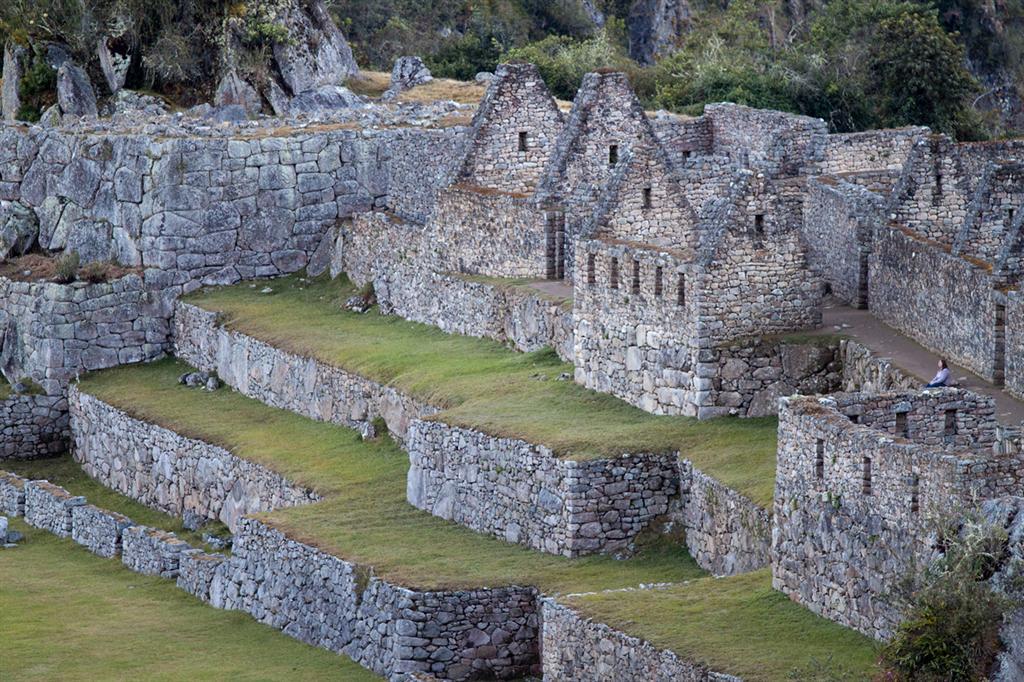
(32, 426)
(49, 507)
(175, 474)
(98, 530)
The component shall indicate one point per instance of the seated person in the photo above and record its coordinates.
(942, 378)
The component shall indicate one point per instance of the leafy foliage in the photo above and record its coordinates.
(952, 631)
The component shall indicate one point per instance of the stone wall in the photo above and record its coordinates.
(870, 151)
(839, 221)
(323, 600)
(172, 473)
(12, 494)
(785, 144)
(49, 507)
(574, 647)
(98, 530)
(524, 494)
(281, 379)
(1015, 344)
(726, 533)
(860, 482)
(865, 372)
(32, 426)
(487, 232)
(151, 551)
(418, 164)
(944, 302)
(53, 332)
(380, 249)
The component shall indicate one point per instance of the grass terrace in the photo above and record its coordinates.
(484, 385)
(66, 614)
(738, 625)
(365, 517)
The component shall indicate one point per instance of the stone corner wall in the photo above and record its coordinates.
(99, 530)
(726, 533)
(524, 494)
(33, 426)
(12, 494)
(49, 507)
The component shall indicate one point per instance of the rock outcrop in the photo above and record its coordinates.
(10, 101)
(407, 73)
(75, 94)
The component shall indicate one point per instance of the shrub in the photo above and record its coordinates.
(952, 629)
(95, 272)
(66, 270)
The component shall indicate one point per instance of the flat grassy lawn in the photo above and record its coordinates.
(483, 385)
(67, 473)
(738, 625)
(66, 614)
(365, 517)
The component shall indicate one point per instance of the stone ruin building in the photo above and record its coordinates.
(669, 259)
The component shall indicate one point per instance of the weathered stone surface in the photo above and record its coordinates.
(317, 53)
(325, 98)
(19, 228)
(75, 94)
(49, 507)
(98, 530)
(113, 65)
(151, 551)
(12, 494)
(13, 67)
(232, 90)
(407, 73)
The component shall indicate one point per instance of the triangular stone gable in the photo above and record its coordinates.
(645, 203)
(606, 122)
(513, 133)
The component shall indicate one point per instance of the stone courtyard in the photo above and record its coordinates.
(448, 390)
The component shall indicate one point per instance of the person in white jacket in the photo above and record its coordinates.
(942, 377)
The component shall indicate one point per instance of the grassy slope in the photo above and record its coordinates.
(67, 614)
(365, 517)
(489, 387)
(726, 623)
(66, 473)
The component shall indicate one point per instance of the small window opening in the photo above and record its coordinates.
(657, 281)
(759, 229)
(902, 428)
(866, 485)
(636, 277)
(855, 418)
(681, 290)
(915, 484)
(613, 154)
(647, 197)
(615, 273)
(1010, 213)
(522, 141)
(591, 269)
(819, 459)
(950, 426)
(686, 155)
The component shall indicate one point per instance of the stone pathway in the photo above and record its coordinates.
(910, 356)
(553, 287)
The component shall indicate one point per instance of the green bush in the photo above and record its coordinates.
(951, 632)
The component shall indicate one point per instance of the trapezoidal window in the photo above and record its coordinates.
(522, 140)
(591, 269)
(866, 481)
(949, 429)
(681, 290)
(636, 277)
(647, 199)
(613, 154)
(759, 229)
(614, 273)
(1010, 213)
(819, 459)
(658, 275)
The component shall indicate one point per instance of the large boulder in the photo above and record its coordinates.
(75, 94)
(325, 98)
(317, 53)
(407, 73)
(113, 65)
(19, 228)
(233, 90)
(655, 27)
(14, 65)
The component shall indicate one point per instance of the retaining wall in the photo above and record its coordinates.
(165, 470)
(281, 379)
(49, 507)
(578, 649)
(33, 426)
(523, 493)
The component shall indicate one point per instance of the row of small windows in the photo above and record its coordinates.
(613, 277)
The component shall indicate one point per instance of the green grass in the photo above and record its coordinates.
(738, 625)
(365, 517)
(5, 390)
(485, 386)
(66, 614)
(66, 473)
